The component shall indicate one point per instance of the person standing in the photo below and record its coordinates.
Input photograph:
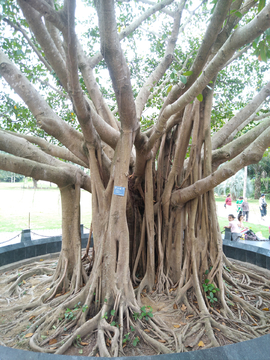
(262, 206)
(228, 203)
(245, 209)
(239, 203)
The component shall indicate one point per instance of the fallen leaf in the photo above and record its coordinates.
(144, 290)
(223, 323)
(124, 345)
(176, 326)
(84, 343)
(195, 302)
(217, 329)
(201, 344)
(53, 348)
(254, 324)
(31, 317)
(266, 290)
(65, 334)
(48, 289)
(182, 323)
(175, 306)
(97, 355)
(24, 282)
(58, 295)
(41, 260)
(218, 311)
(29, 335)
(189, 316)
(146, 330)
(183, 307)
(265, 309)
(162, 341)
(52, 341)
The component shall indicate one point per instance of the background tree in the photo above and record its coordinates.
(160, 232)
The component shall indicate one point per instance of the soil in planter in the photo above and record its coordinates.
(247, 285)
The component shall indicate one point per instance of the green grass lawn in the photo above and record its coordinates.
(42, 205)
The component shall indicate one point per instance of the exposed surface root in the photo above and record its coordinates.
(181, 320)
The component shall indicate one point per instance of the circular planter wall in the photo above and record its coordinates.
(256, 349)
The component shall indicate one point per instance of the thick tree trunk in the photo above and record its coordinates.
(69, 275)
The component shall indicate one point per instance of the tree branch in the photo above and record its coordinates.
(251, 155)
(38, 171)
(235, 147)
(239, 38)
(132, 27)
(51, 149)
(81, 107)
(163, 65)
(93, 89)
(116, 62)
(46, 118)
(44, 39)
(221, 136)
(21, 148)
(209, 38)
(32, 45)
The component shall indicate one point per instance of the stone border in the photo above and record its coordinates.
(256, 349)
(247, 253)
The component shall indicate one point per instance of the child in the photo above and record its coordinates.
(238, 204)
(234, 227)
(240, 218)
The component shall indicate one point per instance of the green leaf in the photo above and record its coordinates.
(200, 97)
(188, 73)
(238, 14)
(112, 312)
(261, 5)
(183, 79)
(263, 54)
(169, 89)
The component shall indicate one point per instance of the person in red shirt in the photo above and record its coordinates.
(228, 203)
